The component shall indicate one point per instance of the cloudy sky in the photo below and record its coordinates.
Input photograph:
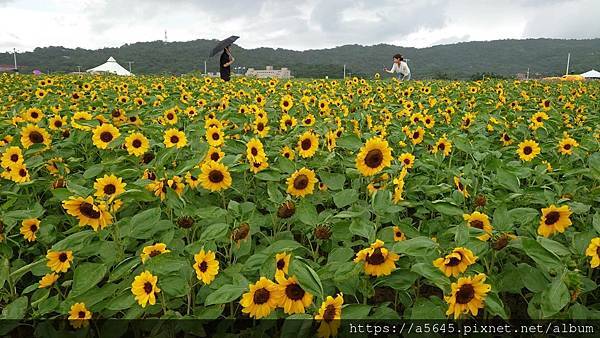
(293, 24)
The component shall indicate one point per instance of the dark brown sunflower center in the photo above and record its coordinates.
(288, 123)
(376, 258)
(136, 143)
(374, 158)
(22, 172)
(81, 314)
(329, 313)
(460, 186)
(88, 210)
(34, 115)
(294, 292)
(106, 136)
(154, 253)
(552, 217)
(453, 261)
(58, 124)
(261, 296)
(441, 146)
(301, 182)
(33, 228)
(285, 103)
(280, 264)
(527, 150)
(36, 137)
(174, 139)
(170, 116)
(216, 136)
(148, 287)
(306, 144)
(14, 157)
(477, 224)
(110, 189)
(214, 156)
(62, 257)
(215, 176)
(567, 146)
(254, 151)
(465, 294)
(398, 234)
(467, 122)
(203, 266)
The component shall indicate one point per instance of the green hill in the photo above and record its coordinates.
(460, 60)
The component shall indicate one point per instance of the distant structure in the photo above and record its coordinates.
(283, 73)
(110, 67)
(7, 68)
(165, 36)
(591, 75)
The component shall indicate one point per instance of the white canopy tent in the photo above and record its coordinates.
(110, 66)
(592, 74)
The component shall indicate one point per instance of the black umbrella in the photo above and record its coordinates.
(221, 45)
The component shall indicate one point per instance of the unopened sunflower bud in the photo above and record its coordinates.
(286, 210)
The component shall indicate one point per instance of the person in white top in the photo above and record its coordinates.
(401, 67)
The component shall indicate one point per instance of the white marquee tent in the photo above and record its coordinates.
(110, 66)
(592, 74)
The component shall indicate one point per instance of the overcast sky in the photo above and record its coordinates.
(293, 24)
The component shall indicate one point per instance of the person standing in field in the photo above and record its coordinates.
(401, 67)
(225, 64)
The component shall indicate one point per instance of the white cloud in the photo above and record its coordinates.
(293, 24)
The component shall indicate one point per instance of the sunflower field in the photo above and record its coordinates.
(159, 197)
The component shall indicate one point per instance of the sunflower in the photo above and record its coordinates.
(286, 103)
(257, 167)
(32, 134)
(330, 314)
(29, 227)
(398, 234)
(480, 221)
(57, 122)
(331, 138)
(262, 298)
(159, 188)
(214, 154)
(48, 280)
(294, 299)
(468, 295)
(461, 187)
(206, 266)
(287, 121)
(407, 160)
(144, 288)
(301, 182)
(215, 176)
(109, 186)
(456, 262)
(170, 117)
(443, 146)
(19, 173)
(174, 138)
(373, 157)
(593, 251)
(416, 136)
(379, 261)
(215, 136)
(506, 140)
(12, 156)
(33, 115)
(79, 315)
(282, 264)
(176, 183)
(192, 180)
(153, 250)
(554, 219)
(528, 149)
(288, 153)
(566, 145)
(255, 151)
(59, 261)
(308, 143)
(104, 134)
(88, 212)
(136, 144)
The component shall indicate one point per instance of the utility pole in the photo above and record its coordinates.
(130, 62)
(78, 69)
(344, 71)
(15, 57)
(204, 67)
(568, 61)
(527, 73)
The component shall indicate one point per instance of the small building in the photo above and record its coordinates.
(283, 73)
(591, 75)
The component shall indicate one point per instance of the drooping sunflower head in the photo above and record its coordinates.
(301, 183)
(461, 187)
(88, 212)
(150, 251)
(456, 262)
(373, 157)
(554, 219)
(468, 295)
(593, 251)
(282, 263)
(398, 234)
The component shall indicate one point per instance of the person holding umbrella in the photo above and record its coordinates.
(225, 63)
(226, 58)
(401, 67)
